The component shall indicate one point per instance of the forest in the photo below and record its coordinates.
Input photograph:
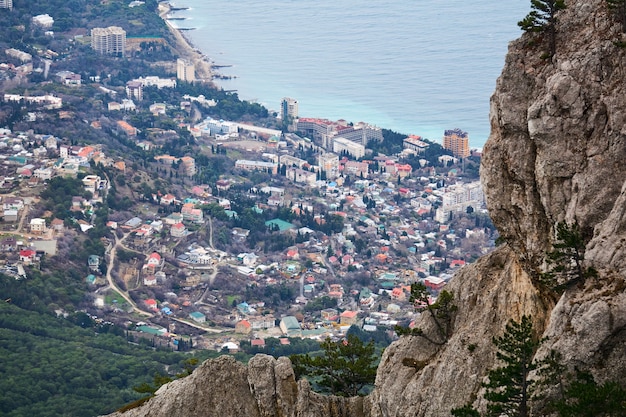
(52, 366)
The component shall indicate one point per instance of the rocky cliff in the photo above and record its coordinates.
(555, 153)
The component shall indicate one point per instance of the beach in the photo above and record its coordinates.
(186, 50)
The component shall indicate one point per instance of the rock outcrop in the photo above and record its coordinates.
(556, 153)
(266, 387)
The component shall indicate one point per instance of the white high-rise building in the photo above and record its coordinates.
(185, 70)
(6, 4)
(289, 108)
(111, 40)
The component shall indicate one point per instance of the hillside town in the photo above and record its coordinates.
(189, 215)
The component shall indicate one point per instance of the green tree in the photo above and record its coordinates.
(542, 19)
(442, 313)
(509, 388)
(566, 259)
(618, 7)
(583, 397)
(346, 367)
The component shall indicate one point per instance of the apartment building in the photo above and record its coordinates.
(110, 40)
(185, 70)
(457, 141)
(341, 144)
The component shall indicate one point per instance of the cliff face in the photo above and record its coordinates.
(556, 153)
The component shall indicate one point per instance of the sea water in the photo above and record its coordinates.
(413, 66)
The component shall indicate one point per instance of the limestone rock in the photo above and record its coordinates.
(225, 387)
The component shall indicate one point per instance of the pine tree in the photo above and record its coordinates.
(346, 367)
(542, 18)
(442, 313)
(566, 259)
(509, 388)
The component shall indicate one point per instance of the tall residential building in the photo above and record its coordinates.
(185, 70)
(329, 164)
(6, 4)
(289, 108)
(111, 40)
(457, 141)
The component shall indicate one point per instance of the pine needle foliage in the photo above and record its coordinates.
(542, 19)
(442, 313)
(509, 388)
(345, 369)
(566, 259)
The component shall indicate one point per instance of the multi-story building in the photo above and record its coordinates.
(362, 133)
(291, 161)
(134, 89)
(457, 141)
(301, 175)
(329, 164)
(415, 144)
(289, 109)
(357, 169)
(43, 20)
(269, 167)
(341, 144)
(185, 70)
(188, 165)
(6, 4)
(457, 198)
(111, 40)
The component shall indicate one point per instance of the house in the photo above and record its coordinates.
(348, 318)
(248, 259)
(289, 326)
(178, 230)
(243, 326)
(93, 262)
(258, 343)
(153, 262)
(434, 283)
(28, 256)
(57, 225)
(329, 314)
(151, 303)
(197, 317)
(10, 215)
(149, 280)
(8, 244)
(167, 199)
(38, 226)
(262, 322)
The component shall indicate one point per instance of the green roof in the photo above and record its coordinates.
(151, 330)
(281, 224)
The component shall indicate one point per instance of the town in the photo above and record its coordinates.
(198, 221)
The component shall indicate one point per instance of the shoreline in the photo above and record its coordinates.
(186, 50)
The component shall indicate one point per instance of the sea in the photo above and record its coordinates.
(413, 66)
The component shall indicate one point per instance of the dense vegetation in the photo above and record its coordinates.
(51, 366)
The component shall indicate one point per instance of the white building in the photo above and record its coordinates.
(185, 70)
(43, 20)
(111, 40)
(38, 226)
(341, 144)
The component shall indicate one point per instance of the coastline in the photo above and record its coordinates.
(186, 50)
